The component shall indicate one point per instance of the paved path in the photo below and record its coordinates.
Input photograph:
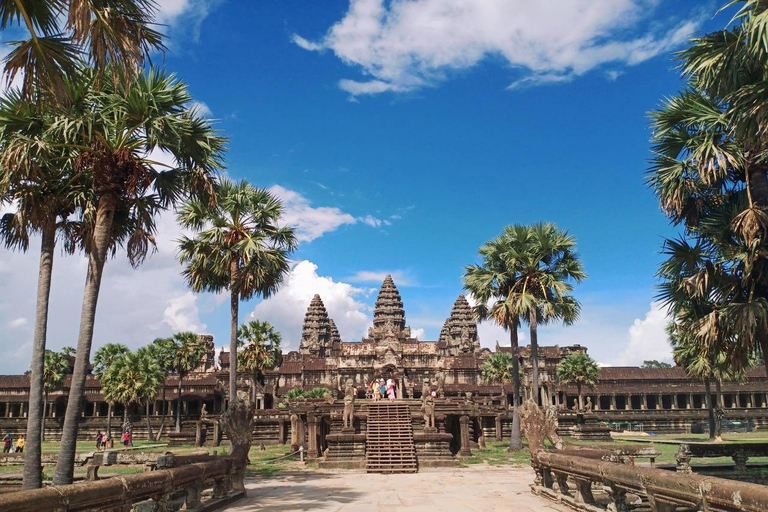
(475, 489)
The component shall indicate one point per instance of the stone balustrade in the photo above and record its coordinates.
(739, 452)
(159, 491)
(571, 480)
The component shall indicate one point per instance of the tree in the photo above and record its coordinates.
(55, 371)
(652, 363)
(260, 351)
(115, 129)
(710, 159)
(165, 353)
(68, 351)
(190, 352)
(579, 369)
(239, 246)
(545, 264)
(44, 196)
(490, 285)
(114, 35)
(152, 379)
(499, 369)
(103, 359)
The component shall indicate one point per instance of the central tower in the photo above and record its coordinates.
(388, 314)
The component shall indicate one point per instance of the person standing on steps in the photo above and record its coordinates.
(391, 390)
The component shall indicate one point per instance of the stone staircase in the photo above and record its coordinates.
(389, 439)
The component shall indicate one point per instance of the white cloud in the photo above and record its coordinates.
(400, 277)
(647, 339)
(183, 17)
(419, 334)
(313, 222)
(285, 310)
(182, 314)
(403, 45)
(202, 109)
(17, 322)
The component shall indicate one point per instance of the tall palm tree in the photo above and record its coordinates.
(499, 369)
(260, 351)
(165, 352)
(55, 370)
(44, 196)
(116, 35)
(189, 353)
(490, 285)
(239, 246)
(103, 359)
(546, 263)
(579, 369)
(115, 130)
(152, 379)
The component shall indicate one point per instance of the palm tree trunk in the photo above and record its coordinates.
(109, 420)
(65, 465)
(45, 406)
(33, 468)
(534, 356)
(149, 424)
(178, 406)
(233, 308)
(710, 408)
(165, 411)
(719, 393)
(581, 398)
(764, 346)
(516, 439)
(125, 417)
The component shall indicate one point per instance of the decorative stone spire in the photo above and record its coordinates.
(462, 328)
(335, 336)
(316, 334)
(389, 308)
(444, 331)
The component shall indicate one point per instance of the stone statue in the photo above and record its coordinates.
(350, 393)
(538, 424)
(440, 376)
(426, 390)
(204, 413)
(719, 415)
(588, 405)
(428, 406)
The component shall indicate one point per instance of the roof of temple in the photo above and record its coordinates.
(335, 336)
(389, 306)
(316, 332)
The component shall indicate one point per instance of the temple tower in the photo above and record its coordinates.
(389, 307)
(335, 338)
(316, 335)
(461, 335)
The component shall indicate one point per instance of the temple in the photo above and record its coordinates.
(466, 407)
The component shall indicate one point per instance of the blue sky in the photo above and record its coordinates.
(402, 136)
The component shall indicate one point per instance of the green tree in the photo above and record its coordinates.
(259, 351)
(653, 363)
(55, 370)
(68, 351)
(491, 285)
(189, 354)
(152, 379)
(165, 352)
(44, 196)
(103, 359)
(499, 369)
(115, 129)
(111, 35)
(239, 246)
(579, 369)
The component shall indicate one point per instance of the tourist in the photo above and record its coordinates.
(99, 441)
(20, 444)
(126, 438)
(382, 388)
(7, 443)
(391, 390)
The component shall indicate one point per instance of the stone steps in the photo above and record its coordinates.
(389, 444)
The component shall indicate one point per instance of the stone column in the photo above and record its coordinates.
(302, 431)
(399, 390)
(749, 400)
(689, 401)
(499, 430)
(659, 402)
(281, 431)
(596, 405)
(464, 451)
(312, 434)
(644, 402)
(613, 401)
(627, 402)
(295, 432)
(735, 402)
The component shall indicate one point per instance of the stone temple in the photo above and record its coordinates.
(466, 409)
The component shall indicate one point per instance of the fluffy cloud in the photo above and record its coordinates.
(401, 278)
(647, 339)
(184, 17)
(404, 45)
(285, 310)
(312, 222)
(419, 334)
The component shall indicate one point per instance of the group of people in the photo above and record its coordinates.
(9, 446)
(381, 388)
(104, 441)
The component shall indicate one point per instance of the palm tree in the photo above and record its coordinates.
(499, 368)
(103, 359)
(239, 247)
(151, 380)
(490, 285)
(261, 351)
(165, 352)
(545, 264)
(579, 369)
(115, 129)
(68, 351)
(55, 371)
(190, 352)
(44, 196)
(116, 35)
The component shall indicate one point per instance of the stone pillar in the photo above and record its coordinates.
(749, 400)
(735, 401)
(302, 431)
(499, 430)
(659, 402)
(281, 431)
(312, 434)
(613, 401)
(674, 401)
(464, 451)
(689, 401)
(627, 402)
(295, 432)
(596, 404)
(644, 402)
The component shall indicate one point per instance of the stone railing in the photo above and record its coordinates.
(571, 480)
(739, 452)
(157, 490)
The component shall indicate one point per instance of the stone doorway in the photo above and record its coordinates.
(390, 371)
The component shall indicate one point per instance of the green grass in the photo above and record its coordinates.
(262, 464)
(495, 454)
